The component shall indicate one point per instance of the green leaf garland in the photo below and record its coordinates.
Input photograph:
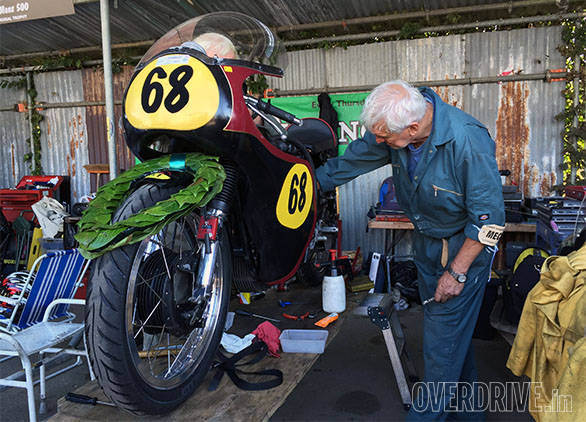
(97, 235)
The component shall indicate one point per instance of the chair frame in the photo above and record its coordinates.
(17, 342)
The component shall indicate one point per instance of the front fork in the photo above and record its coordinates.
(208, 229)
(210, 224)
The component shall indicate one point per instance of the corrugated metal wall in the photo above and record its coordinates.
(520, 116)
(64, 146)
(71, 137)
(93, 88)
(14, 132)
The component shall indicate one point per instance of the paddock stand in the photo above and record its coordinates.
(379, 308)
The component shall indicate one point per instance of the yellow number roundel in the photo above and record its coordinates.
(174, 92)
(296, 197)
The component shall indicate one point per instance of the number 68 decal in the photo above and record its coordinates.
(175, 92)
(296, 197)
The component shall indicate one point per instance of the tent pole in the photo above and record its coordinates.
(107, 56)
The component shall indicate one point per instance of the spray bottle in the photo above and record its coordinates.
(333, 288)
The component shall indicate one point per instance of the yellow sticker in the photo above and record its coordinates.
(158, 176)
(228, 69)
(296, 197)
(175, 91)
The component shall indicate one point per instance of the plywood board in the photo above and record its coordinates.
(227, 403)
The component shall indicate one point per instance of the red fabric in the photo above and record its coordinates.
(268, 333)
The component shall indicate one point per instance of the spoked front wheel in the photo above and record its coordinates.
(153, 328)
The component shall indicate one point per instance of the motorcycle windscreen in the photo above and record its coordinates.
(243, 37)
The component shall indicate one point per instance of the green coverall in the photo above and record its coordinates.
(455, 191)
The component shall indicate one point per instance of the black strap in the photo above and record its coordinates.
(230, 366)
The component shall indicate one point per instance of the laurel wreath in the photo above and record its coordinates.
(98, 235)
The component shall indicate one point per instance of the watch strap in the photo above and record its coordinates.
(457, 276)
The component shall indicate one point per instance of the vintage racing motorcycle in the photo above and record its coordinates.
(157, 302)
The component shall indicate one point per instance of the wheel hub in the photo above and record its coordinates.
(158, 297)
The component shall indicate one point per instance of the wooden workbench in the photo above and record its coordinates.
(402, 225)
(524, 232)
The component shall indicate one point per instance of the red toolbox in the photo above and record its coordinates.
(576, 192)
(31, 189)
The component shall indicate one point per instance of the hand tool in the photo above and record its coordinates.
(296, 317)
(250, 314)
(283, 303)
(426, 301)
(314, 314)
(82, 399)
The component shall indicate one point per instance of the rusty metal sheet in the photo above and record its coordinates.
(512, 132)
(93, 89)
(64, 148)
(520, 115)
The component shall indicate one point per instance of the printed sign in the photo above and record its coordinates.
(348, 106)
(296, 197)
(12, 11)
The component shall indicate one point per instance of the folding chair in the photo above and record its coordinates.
(40, 320)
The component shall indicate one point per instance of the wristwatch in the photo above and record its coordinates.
(460, 278)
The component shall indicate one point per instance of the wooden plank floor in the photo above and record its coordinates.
(227, 403)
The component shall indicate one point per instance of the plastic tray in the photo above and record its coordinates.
(303, 341)
(49, 244)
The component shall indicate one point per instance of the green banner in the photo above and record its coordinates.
(348, 106)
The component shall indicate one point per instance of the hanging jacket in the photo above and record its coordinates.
(549, 346)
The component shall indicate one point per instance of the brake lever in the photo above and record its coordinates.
(278, 128)
(272, 110)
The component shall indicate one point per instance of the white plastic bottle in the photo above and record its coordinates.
(333, 289)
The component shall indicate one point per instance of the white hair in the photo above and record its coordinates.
(217, 44)
(395, 103)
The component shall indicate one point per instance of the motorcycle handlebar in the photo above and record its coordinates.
(275, 111)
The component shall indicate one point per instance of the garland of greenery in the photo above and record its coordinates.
(97, 234)
(574, 115)
(36, 119)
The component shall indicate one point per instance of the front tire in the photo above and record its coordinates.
(140, 310)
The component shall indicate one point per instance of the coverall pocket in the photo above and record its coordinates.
(437, 189)
(446, 201)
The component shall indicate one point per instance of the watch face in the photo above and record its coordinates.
(461, 278)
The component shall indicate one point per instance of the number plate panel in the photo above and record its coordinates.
(296, 197)
(175, 92)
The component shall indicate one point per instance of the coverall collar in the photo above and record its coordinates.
(441, 133)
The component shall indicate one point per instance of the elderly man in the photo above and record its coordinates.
(447, 182)
(216, 44)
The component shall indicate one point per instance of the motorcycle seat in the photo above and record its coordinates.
(315, 134)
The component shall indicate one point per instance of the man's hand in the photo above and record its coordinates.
(447, 288)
